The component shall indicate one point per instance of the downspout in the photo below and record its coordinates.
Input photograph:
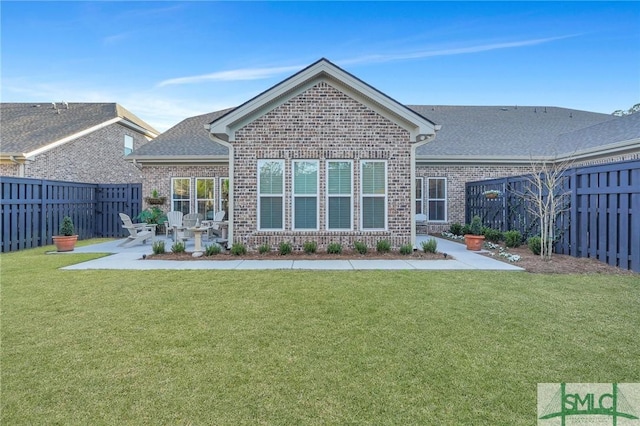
(231, 185)
(20, 165)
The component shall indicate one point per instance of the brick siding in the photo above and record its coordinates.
(94, 158)
(321, 124)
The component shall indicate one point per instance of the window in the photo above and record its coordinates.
(181, 195)
(419, 198)
(374, 195)
(128, 144)
(223, 200)
(339, 195)
(270, 194)
(437, 199)
(204, 197)
(305, 194)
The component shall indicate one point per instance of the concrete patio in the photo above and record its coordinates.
(132, 258)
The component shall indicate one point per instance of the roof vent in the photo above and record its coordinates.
(504, 109)
(66, 105)
(54, 105)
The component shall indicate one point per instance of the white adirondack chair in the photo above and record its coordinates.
(138, 232)
(215, 226)
(173, 223)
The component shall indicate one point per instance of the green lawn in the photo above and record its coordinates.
(357, 347)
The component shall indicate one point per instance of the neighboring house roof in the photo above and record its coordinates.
(419, 127)
(612, 135)
(499, 133)
(187, 141)
(30, 128)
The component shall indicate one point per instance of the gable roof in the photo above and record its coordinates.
(503, 134)
(29, 128)
(418, 126)
(186, 141)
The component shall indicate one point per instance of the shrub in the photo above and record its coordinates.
(310, 247)
(406, 249)
(360, 247)
(430, 246)
(535, 245)
(66, 227)
(383, 246)
(264, 248)
(475, 228)
(334, 248)
(284, 248)
(466, 229)
(492, 235)
(158, 247)
(238, 249)
(178, 247)
(456, 229)
(212, 250)
(512, 238)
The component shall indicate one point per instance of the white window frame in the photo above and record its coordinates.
(420, 185)
(128, 144)
(212, 199)
(350, 196)
(384, 196)
(444, 200)
(220, 184)
(295, 196)
(174, 200)
(282, 194)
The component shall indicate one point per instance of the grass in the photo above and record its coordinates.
(295, 347)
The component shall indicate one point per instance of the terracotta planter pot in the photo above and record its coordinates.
(65, 243)
(474, 242)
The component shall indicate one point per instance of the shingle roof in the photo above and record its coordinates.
(467, 132)
(187, 138)
(500, 131)
(613, 131)
(28, 126)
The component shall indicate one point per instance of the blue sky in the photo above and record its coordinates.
(166, 61)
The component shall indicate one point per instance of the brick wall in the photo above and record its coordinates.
(159, 178)
(94, 158)
(9, 170)
(320, 124)
(458, 175)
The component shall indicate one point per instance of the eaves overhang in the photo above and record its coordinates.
(419, 127)
(177, 159)
(618, 148)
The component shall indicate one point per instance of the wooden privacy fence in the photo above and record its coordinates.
(601, 220)
(32, 210)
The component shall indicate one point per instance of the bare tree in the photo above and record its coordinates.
(547, 196)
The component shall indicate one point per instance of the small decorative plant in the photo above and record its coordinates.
(284, 248)
(66, 227)
(492, 193)
(310, 247)
(178, 247)
(360, 247)
(406, 249)
(264, 248)
(512, 238)
(383, 246)
(212, 249)
(475, 228)
(158, 247)
(430, 246)
(238, 249)
(334, 248)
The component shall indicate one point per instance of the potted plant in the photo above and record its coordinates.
(153, 215)
(474, 239)
(155, 198)
(491, 194)
(66, 241)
